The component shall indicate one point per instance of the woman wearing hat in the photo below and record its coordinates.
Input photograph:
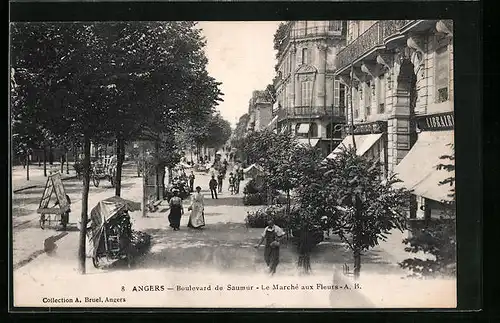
(197, 218)
(176, 210)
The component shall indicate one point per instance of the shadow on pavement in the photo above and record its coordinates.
(224, 200)
(230, 247)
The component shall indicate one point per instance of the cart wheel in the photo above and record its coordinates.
(95, 262)
(42, 221)
(96, 181)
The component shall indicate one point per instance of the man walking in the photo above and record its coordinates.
(272, 235)
(220, 178)
(191, 182)
(213, 187)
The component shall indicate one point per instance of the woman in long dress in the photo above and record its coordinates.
(197, 218)
(176, 211)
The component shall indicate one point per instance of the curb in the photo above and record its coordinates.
(33, 186)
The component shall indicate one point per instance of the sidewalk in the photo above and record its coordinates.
(29, 241)
(19, 181)
(221, 254)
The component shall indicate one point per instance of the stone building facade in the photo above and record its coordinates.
(259, 111)
(399, 76)
(309, 99)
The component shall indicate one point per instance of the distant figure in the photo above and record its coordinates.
(191, 181)
(231, 183)
(241, 174)
(220, 178)
(213, 187)
(176, 210)
(197, 208)
(272, 235)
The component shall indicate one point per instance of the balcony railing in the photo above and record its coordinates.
(372, 37)
(308, 111)
(327, 30)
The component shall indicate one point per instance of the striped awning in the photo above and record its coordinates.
(418, 170)
(363, 144)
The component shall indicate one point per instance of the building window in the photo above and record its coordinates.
(305, 56)
(290, 63)
(342, 95)
(442, 74)
(357, 93)
(334, 25)
(306, 87)
(368, 98)
(336, 93)
(381, 94)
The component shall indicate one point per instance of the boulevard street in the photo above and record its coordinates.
(222, 253)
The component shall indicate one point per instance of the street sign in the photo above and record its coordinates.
(54, 184)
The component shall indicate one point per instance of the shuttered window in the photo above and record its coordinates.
(306, 87)
(336, 93)
(442, 75)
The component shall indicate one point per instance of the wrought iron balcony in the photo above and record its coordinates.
(327, 30)
(371, 38)
(308, 111)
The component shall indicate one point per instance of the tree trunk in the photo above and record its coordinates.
(85, 202)
(162, 183)
(356, 237)
(51, 156)
(62, 164)
(27, 166)
(144, 182)
(357, 263)
(120, 154)
(67, 162)
(304, 250)
(44, 162)
(157, 169)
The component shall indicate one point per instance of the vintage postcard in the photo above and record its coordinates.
(233, 164)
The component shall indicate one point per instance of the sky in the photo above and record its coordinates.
(241, 56)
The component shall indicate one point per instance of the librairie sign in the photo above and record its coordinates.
(439, 121)
(367, 128)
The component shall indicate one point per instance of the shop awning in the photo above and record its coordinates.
(363, 144)
(418, 170)
(273, 122)
(303, 128)
(305, 142)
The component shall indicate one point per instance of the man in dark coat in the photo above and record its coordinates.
(213, 187)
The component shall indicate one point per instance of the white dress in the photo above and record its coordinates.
(197, 218)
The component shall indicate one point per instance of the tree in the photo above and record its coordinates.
(350, 196)
(93, 82)
(279, 38)
(438, 238)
